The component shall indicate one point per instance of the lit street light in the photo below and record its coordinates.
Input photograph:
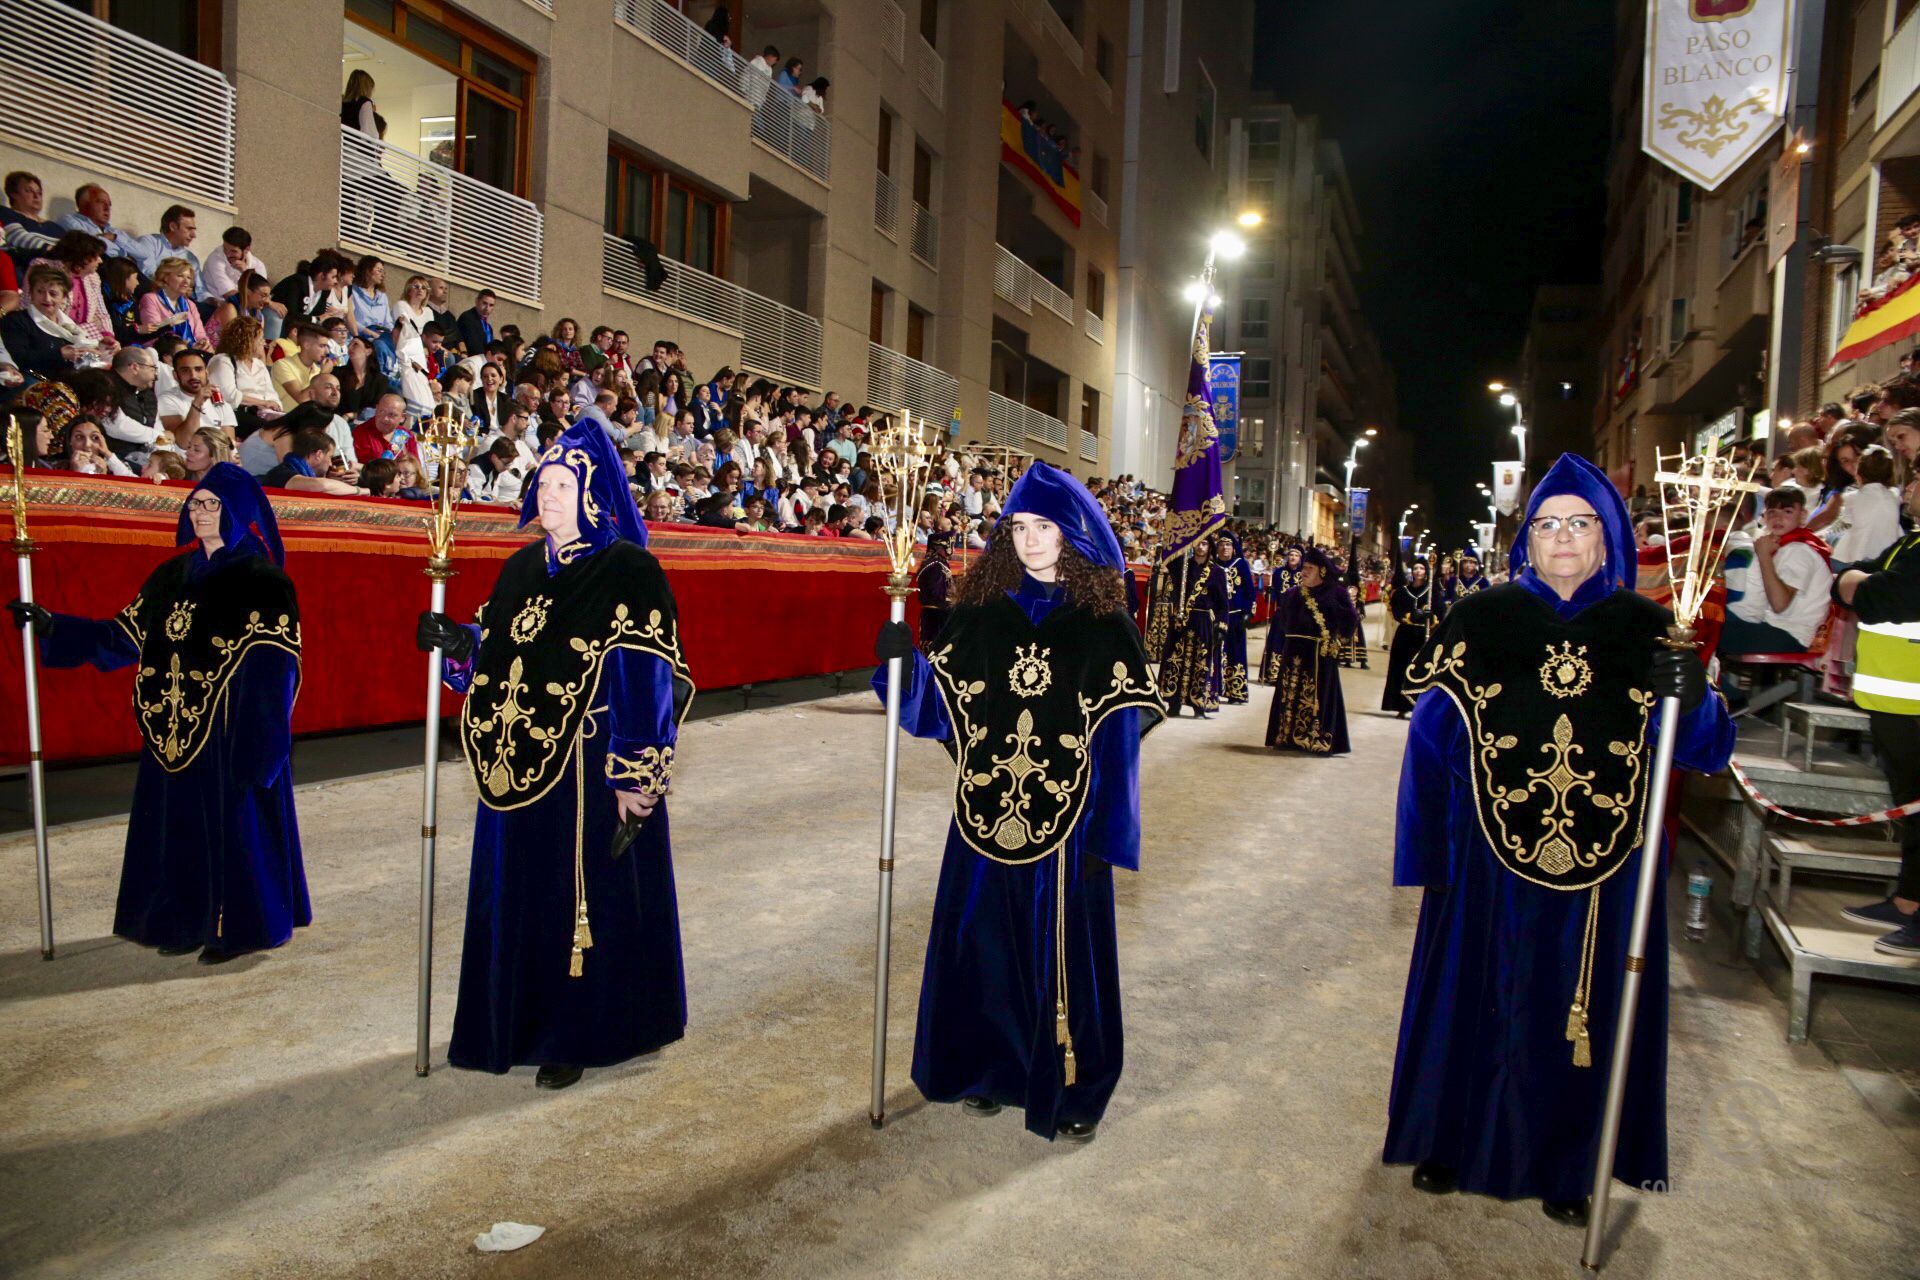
(1222, 245)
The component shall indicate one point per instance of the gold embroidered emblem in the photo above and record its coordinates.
(650, 770)
(531, 618)
(180, 621)
(1031, 676)
(1565, 673)
(176, 717)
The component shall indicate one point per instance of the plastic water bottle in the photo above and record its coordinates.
(1699, 894)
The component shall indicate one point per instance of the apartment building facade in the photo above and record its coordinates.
(919, 246)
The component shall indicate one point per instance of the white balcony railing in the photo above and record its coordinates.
(775, 339)
(662, 25)
(929, 71)
(1899, 68)
(1089, 447)
(1094, 205)
(1010, 422)
(429, 217)
(1022, 286)
(925, 243)
(114, 104)
(898, 381)
(1094, 326)
(886, 206)
(799, 133)
(1051, 296)
(893, 31)
(1062, 34)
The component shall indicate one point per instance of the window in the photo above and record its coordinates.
(491, 81)
(1097, 175)
(1260, 194)
(1263, 143)
(1746, 221)
(916, 332)
(1254, 313)
(1096, 292)
(1846, 296)
(1683, 205)
(1089, 409)
(190, 28)
(1256, 378)
(1260, 258)
(1676, 324)
(1204, 100)
(930, 22)
(922, 176)
(685, 222)
(883, 158)
(877, 315)
(1250, 497)
(1103, 58)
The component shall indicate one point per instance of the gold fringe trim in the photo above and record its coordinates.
(582, 931)
(1583, 991)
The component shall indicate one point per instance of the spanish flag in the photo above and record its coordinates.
(1036, 155)
(1884, 323)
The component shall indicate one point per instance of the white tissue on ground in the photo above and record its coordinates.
(505, 1237)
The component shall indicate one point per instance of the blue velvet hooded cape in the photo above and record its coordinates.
(1242, 591)
(534, 848)
(1309, 712)
(1483, 1079)
(213, 848)
(986, 1022)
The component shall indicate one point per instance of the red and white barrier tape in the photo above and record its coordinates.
(1864, 820)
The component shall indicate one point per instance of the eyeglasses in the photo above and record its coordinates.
(1578, 526)
(205, 506)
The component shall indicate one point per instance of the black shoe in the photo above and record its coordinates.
(1076, 1131)
(1882, 913)
(981, 1106)
(552, 1077)
(214, 955)
(1568, 1213)
(178, 951)
(1435, 1179)
(1904, 941)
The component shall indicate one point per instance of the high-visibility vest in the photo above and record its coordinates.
(1886, 672)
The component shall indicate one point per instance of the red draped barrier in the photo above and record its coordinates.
(753, 607)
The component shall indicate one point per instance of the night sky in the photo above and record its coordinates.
(1475, 135)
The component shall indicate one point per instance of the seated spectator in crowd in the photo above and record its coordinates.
(380, 478)
(1872, 516)
(658, 508)
(80, 255)
(385, 434)
(372, 315)
(28, 233)
(305, 465)
(497, 473)
(42, 339)
(1782, 597)
(293, 373)
(170, 308)
(600, 412)
(194, 401)
(239, 369)
(361, 382)
(134, 426)
(412, 487)
(325, 396)
(120, 286)
(491, 403)
(307, 294)
(251, 297)
(87, 451)
(439, 311)
(1903, 437)
(173, 240)
(594, 353)
(163, 465)
(476, 323)
(202, 449)
(221, 274)
(93, 214)
(814, 523)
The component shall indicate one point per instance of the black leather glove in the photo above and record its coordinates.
(438, 631)
(1678, 673)
(894, 641)
(24, 612)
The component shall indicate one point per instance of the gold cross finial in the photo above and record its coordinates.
(1696, 491)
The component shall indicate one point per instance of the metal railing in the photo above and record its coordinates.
(1022, 286)
(662, 25)
(929, 71)
(1014, 418)
(115, 104)
(1089, 447)
(1094, 205)
(925, 242)
(1056, 26)
(1094, 326)
(799, 133)
(1051, 296)
(893, 31)
(774, 338)
(896, 380)
(886, 206)
(427, 216)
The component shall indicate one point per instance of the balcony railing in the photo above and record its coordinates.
(662, 25)
(1095, 205)
(1089, 447)
(898, 381)
(1062, 34)
(926, 236)
(1899, 68)
(1051, 296)
(429, 217)
(929, 71)
(114, 104)
(775, 339)
(1022, 286)
(799, 133)
(893, 30)
(886, 206)
(1094, 326)
(1017, 424)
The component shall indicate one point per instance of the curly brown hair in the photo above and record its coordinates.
(998, 569)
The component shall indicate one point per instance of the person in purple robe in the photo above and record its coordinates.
(1311, 626)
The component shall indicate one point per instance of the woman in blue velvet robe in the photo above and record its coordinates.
(1285, 577)
(1192, 660)
(1311, 626)
(575, 691)
(1493, 1092)
(1021, 901)
(1241, 590)
(213, 850)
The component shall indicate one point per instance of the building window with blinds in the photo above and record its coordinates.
(684, 221)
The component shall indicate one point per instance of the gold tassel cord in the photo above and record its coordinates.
(582, 931)
(1070, 1071)
(1583, 991)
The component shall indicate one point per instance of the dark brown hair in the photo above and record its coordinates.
(998, 570)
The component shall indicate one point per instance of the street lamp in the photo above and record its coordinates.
(1401, 532)
(1353, 460)
(1222, 246)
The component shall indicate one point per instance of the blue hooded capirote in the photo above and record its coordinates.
(213, 848)
(1486, 1080)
